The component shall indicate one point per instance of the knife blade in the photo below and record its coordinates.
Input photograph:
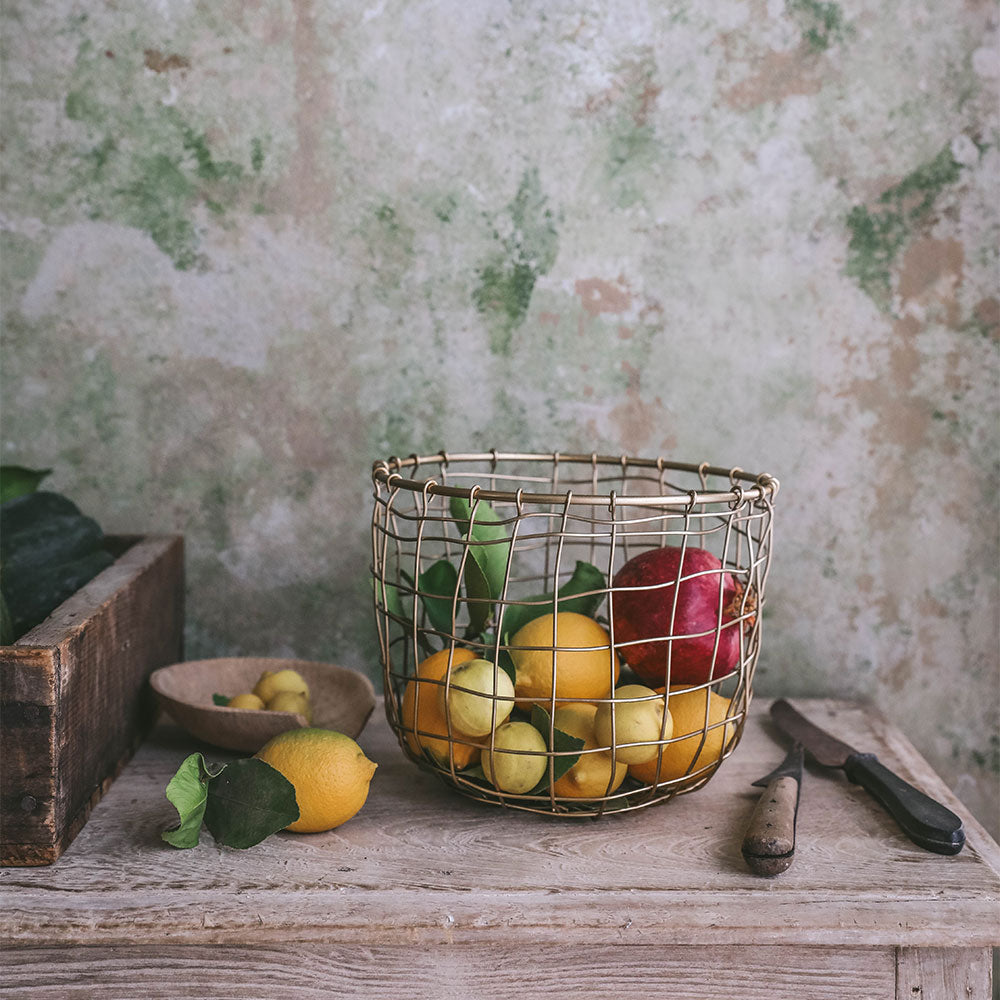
(925, 821)
(769, 842)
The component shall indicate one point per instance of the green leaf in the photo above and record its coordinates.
(478, 597)
(187, 790)
(506, 663)
(16, 481)
(437, 586)
(247, 802)
(586, 579)
(220, 699)
(560, 741)
(391, 598)
(487, 540)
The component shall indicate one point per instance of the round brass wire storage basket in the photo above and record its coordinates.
(564, 633)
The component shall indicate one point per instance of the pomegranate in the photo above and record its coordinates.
(702, 614)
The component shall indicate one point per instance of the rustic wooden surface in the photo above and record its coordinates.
(75, 698)
(427, 893)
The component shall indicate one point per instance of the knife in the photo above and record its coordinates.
(925, 821)
(769, 841)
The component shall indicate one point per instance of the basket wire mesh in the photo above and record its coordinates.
(467, 548)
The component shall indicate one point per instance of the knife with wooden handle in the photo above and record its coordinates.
(769, 842)
(925, 821)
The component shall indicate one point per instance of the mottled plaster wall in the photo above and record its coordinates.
(248, 247)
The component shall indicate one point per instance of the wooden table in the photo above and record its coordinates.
(428, 894)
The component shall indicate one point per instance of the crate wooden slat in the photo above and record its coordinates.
(74, 696)
(426, 893)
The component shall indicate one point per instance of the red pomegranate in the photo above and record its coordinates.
(705, 606)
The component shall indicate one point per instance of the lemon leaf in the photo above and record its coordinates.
(486, 537)
(583, 593)
(220, 699)
(187, 791)
(247, 802)
(556, 741)
(390, 597)
(437, 586)
(477, 593)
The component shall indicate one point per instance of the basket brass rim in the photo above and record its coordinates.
(764, 486)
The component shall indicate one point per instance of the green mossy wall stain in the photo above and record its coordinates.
(142, 163)
(528, 242)
(879, 233)
(822, 23)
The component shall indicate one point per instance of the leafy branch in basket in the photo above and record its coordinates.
(241, 803)
(483, 575)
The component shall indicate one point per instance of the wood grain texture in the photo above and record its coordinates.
(75, 699)
(421, 867)
(944, 974)
(320, 972)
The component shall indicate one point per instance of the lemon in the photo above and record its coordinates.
(518, 760)
(329, 771)
(585, 665)
(594, 774)
(290, 701)
(424, 723)
(640, 722)
(479, 698)
(273, 681)
(693, 711)
(245, 700)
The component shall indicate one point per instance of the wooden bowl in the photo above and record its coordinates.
(340, 698)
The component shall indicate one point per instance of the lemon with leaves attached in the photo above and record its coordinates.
(329, 772)
(596, 773)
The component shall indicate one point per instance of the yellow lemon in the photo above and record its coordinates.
(273, 681)
(290, 701)
(518, 760)
(245, 700)
(591, 775)
(585, 666)
(329, 771)
(479, 698)
(693, 712)
(425, 724)
(641, 722)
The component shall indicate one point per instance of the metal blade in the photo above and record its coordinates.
(790, 767)
(825, 749)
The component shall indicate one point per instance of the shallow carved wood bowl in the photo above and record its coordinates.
(341, 699)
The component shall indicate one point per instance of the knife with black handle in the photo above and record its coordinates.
(925, 821)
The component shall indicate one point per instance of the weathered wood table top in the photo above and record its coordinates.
(426, 893)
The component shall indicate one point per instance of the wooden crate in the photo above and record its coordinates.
(74, 696)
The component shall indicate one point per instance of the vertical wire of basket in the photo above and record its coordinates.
(608, 508)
